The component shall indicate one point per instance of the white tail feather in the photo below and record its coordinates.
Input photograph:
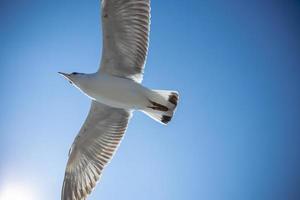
(162, 105)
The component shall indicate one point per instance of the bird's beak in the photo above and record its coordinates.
(65, 75)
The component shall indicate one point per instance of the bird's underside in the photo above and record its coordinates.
(125, 27)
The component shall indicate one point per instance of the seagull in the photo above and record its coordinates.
(115, 91)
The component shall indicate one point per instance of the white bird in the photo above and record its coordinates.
(116, 91)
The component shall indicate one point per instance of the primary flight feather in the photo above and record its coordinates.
(115, 91)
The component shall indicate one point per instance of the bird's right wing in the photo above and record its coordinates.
(92, 149)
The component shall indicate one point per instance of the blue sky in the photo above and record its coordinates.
(236, 131)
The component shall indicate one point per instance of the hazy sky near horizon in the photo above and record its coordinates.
(235, 134)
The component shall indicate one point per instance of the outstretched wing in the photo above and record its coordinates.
(92, 149)
(125, 26)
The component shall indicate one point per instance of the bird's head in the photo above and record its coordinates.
(73, 78)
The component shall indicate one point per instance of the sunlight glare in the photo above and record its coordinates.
(17, 192)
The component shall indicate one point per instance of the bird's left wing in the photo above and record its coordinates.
(92, 149)
(125, 27)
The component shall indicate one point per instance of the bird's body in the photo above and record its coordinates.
(115, 90)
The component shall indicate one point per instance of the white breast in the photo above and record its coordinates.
(114, 91)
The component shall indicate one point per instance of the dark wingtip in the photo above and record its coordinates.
(166, 119)
(173, 98)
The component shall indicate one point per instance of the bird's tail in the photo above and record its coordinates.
(162, 105)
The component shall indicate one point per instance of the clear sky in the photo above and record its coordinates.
(236, 133)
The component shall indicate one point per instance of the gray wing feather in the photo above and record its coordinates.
(92, 149)
(125, 27)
